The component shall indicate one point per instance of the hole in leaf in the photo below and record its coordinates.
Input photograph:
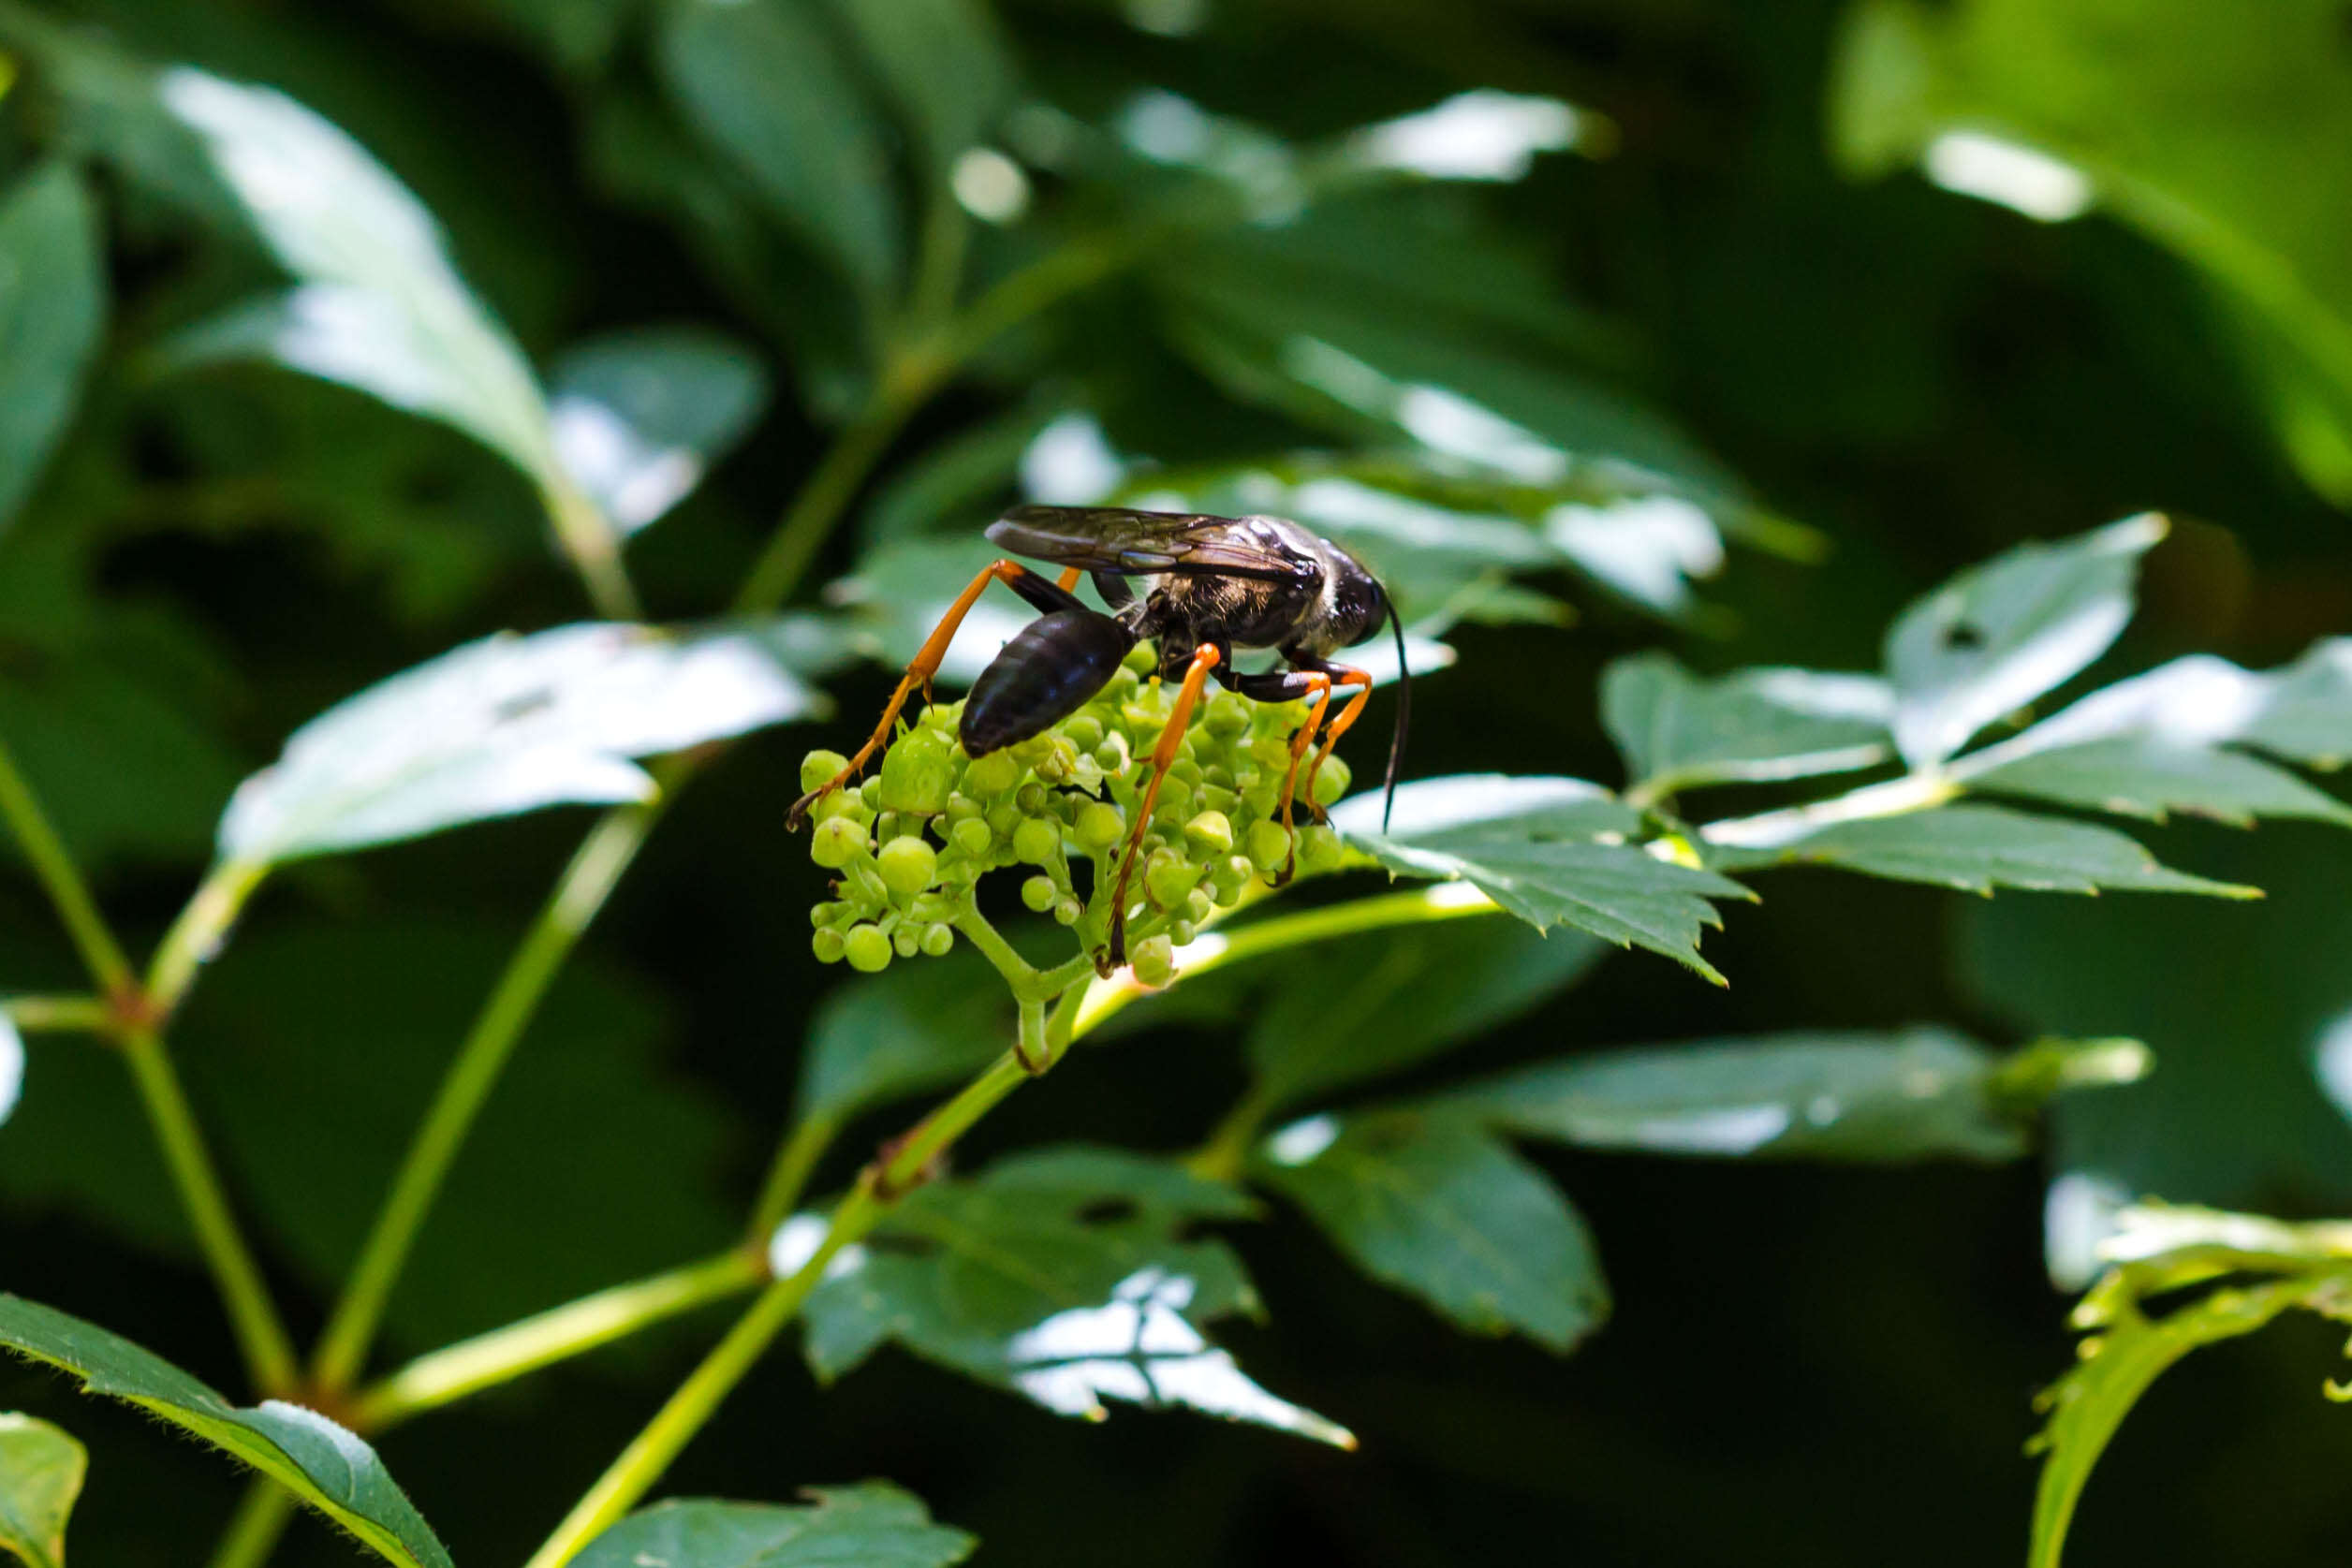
(1109, 1211)
(1963, 637)
(899, 1244)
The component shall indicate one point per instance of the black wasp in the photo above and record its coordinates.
(1210, 585)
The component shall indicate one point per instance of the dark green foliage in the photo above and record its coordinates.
(348, 356)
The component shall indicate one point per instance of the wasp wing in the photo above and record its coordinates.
(1120, 539)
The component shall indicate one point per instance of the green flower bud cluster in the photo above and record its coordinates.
(911, 843)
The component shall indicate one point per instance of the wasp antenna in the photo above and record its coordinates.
(1403, 714)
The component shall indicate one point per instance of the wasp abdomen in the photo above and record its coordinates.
(1043, 676)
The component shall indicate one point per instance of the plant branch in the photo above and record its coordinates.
(62, 880)
(788, 1177)
(442, 1376)
(810, 520)
(269, 1352)
(594, 547)
(587, 882)
(197, 934)
(89, 1013)
(254, 1529)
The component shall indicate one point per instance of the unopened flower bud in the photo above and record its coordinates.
(1210, 834)
(867, 949)
(970, 836)
(828, 944)
(1154, 961)
(1268, 845)
(837, 841)
(1100, 824)
(819, 769)
(918, 773)
(1038, 893)
(992, 774)
(907, 865)
(1035, 842)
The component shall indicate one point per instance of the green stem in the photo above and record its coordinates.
(268, 1351)
(257, 1525)
(60, 1013)
(62, 880)
(502, 1354)
(1211, 950)
(594, 547)
(582, 891)
(829, 492)
(1222, 1156)
(197, 933)
(974, 927)
(787, 1179)
(642, 1463)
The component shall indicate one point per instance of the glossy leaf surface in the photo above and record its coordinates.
(1065, 1276)
(509, 724)
(328, 1468)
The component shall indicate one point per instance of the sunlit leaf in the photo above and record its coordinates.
(767, 83)
(1678, 730)
(1979, 848)
(640, 417)
(2127, 1354)
(1998, 635)
(328, 1468)
(53, 304)
(1067, 1276)
(869, 1525)
(1908, 1095)
(2150, 779)
(2306, 712)
(509, 724)
(917, 1027)
(379, 305)
(942, 61)
(42, 1466)
(1441, 1210)
(1543, 849)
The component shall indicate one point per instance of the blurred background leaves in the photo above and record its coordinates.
(640, 258)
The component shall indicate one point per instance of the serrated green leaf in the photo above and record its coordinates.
(768, 84)
(869, 1525)
(506, 725)
(1372, 1004)
(1907, 1094)
(2150, 779)
(943, 62)
(1538, 847)
(640, 417)
(1677, 730)
(1999, 635)
(2119, 1365)
(917, 1027)
(1979, 848)
(328, 1468)
(52, 307)
(1443, 1210)
(42, 1466)
(1066, 1277)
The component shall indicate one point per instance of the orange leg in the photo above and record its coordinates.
(1204, 659)
(926, 665)
(1343, 676)
(1320, 684)
(1069, 578)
